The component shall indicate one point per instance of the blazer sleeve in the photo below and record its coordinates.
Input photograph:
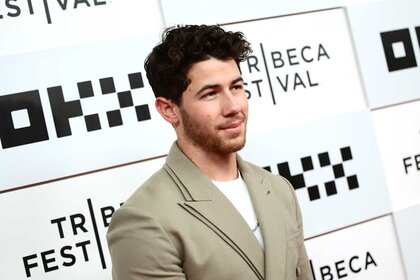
(141, 249)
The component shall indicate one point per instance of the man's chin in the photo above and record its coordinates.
(234, 146)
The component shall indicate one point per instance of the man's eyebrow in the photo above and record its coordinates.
(212, 86)
(239, 79)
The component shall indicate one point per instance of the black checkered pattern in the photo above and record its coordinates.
(298, 180)
(64, 110)
(125, 99)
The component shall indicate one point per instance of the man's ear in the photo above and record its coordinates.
(168, 110)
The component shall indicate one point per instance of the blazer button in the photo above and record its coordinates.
(297, 271)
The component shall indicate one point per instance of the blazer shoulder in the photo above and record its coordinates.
(281, 187)
(156, 190)
(278, 181)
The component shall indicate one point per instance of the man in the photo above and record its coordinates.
(207, 214)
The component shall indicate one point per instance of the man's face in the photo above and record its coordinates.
(214, 107)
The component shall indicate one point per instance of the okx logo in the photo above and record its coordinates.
(339, 173)
(22, 119)
(398, 48)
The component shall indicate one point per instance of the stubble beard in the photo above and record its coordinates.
(208, 138)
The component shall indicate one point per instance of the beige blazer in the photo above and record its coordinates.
(178, 225)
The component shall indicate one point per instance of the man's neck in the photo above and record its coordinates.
(218, 167)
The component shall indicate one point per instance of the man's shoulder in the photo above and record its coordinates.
(279, 184)
(257, 169)
(266, 174)
(157, 189)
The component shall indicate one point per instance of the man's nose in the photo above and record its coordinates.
(231, 104)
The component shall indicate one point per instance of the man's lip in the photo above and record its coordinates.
(232, 125)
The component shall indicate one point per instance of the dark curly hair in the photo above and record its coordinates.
(181, 47)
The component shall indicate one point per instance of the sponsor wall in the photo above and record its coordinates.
(334, 107)
(367, 258)
(78, 108)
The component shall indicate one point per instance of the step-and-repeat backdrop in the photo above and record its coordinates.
(334, 95)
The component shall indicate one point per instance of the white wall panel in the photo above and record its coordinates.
(407, 224)
(33, 24)
(220, 12)
(57, 230)
(72, 110)
(357, 252)
(334, 165)
(297, 72)
(398, 134)
(386, 36)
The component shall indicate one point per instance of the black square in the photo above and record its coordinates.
(107, 85)
(307, 163)
(324, 159)
(330, 188)
(346, 153)
(398, 63)
(313, 193)
(63, 110)
(125, 99)
(352, 181)
(283, 169)
(92, 122)
(142, 112)
(338, 171)
(35, 132)
(85, 89)
(136, 80)
(114, 118)
(268, 168)
(297, 181)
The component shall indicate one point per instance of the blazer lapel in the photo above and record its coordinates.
(270, 217)
(206, 203)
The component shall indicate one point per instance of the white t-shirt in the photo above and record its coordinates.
(237, 192)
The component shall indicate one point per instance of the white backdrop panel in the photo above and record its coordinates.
(386, 36)
(299, 72)
(58, 229)
(357, 252)
(71, 110)
(33, 25)
(398, 133)
(219, 11)
(334, 165)
(407, 223)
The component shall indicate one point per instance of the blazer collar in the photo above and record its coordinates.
(271, 218)
(194, 185)
(205, 202)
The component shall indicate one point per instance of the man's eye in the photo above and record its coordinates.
(210, 94)
(238, 87)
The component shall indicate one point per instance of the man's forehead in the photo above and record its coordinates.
(214, 69)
